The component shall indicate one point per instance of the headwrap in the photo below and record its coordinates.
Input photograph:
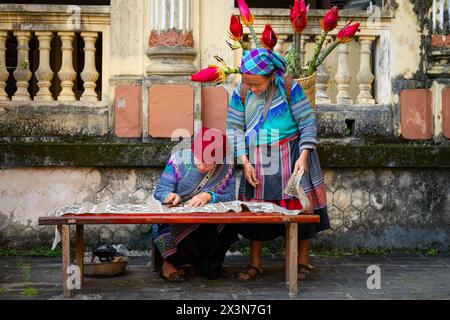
(209, 146)
(263, 62)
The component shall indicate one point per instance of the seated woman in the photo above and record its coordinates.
(195, 177)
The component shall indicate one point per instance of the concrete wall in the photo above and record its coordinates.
(388, 208)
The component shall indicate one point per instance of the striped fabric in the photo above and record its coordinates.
(245, 124)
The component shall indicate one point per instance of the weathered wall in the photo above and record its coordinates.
(406, 38)
(389, 208)
(128, 37)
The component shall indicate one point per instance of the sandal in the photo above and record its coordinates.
(228, 273)
(304, 271)
(177, 276)
(252, 272)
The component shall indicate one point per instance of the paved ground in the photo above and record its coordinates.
(402, 277)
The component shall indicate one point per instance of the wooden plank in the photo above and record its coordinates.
(184, 218)
(293, 256)
(80, 251)
(65, 238)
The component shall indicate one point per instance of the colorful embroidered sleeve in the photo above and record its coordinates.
(226, 190)
(236, 123)
(169, 180)
(304, 116)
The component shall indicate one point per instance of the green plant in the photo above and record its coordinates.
(432, 252)
(25, 64)
(35, 252)
(30, 292)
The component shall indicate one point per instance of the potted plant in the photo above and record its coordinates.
(306, 76)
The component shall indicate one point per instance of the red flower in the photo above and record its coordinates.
(298, 15)
(347, 33)
(269, 37)
(330, 21)
(236, 29)
(246, 14)
(210, 74)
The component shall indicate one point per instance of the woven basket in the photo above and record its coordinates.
(308, 85)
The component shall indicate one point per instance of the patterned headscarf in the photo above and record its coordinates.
(261, 61)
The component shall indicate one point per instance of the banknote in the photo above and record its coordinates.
(294, 189)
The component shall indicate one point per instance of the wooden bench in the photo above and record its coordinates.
(64, 223)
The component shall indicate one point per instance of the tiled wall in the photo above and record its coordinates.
(376, 208)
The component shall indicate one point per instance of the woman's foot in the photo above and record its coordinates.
(172, 274)
(251, 273)
(304, 271)
(228, 273)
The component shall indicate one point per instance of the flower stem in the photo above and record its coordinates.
(232, 70)
(243, 45)
(297, 54)
(327, 52)
(313, 65)
(254, 36)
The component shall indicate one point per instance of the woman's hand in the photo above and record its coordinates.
(199, 200)
(172, 198)
(249, 172)
(302, 163)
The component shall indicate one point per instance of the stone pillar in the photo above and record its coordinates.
(22, 74)
(365, 76)
(44, 74)
(343, 77)
(322, 80)
(280, 44)
(89, 74)
(67, 73)
(171, 52)
(4, 74)
(171, 49)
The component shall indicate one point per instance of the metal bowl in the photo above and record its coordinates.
(105, 269)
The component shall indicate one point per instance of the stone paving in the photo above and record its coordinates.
(341, 278)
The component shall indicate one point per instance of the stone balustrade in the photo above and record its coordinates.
(65, 40)
(353, 73)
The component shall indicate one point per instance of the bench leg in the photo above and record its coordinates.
(286, 254)
(65, 238)
(292, 257)
(80, 251)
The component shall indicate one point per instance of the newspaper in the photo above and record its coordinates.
(154, 206)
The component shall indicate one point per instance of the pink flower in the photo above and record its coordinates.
(210, 74)
(269, 37)
(298, 15)
(330, 21)
(246, 14)
(236, 29)
(347, 33)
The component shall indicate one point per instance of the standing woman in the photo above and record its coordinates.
(274, 139)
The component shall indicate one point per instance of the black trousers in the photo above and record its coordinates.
(205, 249)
